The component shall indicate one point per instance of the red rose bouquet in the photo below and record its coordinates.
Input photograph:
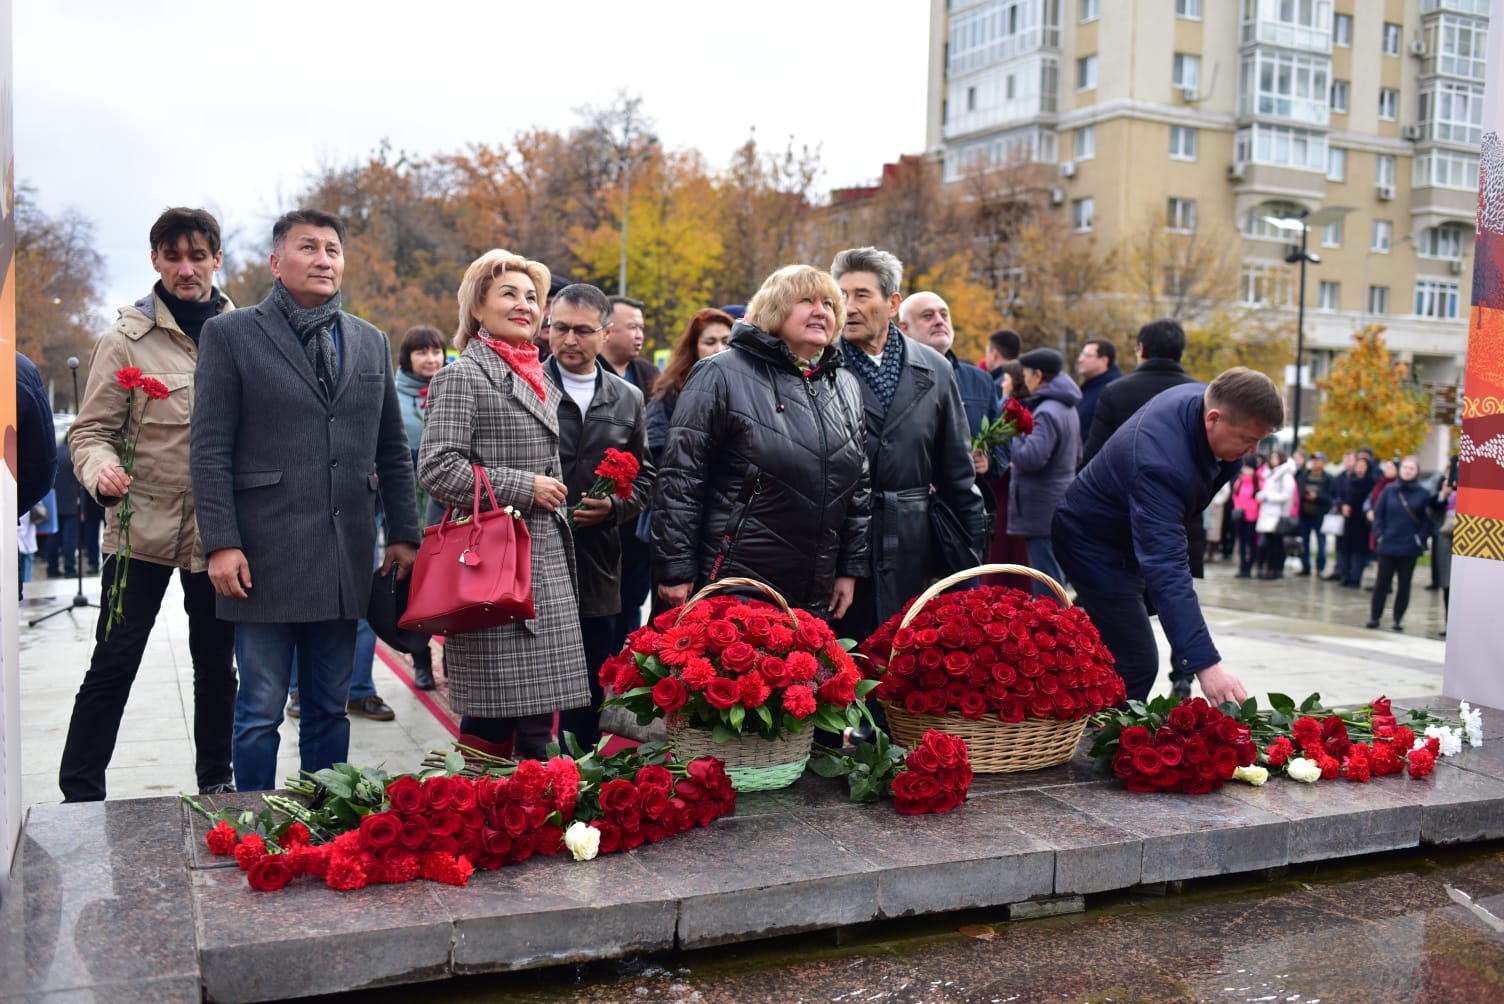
(361, 827)
(1016, 420)
(736, 666)
(994, 652)
(934, 777)
(1172, 744)
(130, 380)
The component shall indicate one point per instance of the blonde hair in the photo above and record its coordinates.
(477, 283)
(772, 304)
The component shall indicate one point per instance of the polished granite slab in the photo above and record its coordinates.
(118, 901)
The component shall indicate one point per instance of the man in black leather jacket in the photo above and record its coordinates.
(916, 438)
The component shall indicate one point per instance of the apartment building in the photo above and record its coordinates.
(1239, 111)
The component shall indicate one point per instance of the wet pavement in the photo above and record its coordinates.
(1378, 929)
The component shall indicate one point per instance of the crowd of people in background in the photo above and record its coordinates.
(817, 439)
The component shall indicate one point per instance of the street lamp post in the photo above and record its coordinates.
(1302, 256)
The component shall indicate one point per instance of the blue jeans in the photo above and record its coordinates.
(1042, 559)
(362, 683)
(325, 654)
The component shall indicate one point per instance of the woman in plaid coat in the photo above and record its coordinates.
(493, 407)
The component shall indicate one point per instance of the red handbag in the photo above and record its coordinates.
(472, 573)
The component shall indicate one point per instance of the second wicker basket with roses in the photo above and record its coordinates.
(967, 662)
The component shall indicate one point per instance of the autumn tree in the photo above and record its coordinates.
(1370, 401)
(1064, 292)
(762, 218)
(59, 292)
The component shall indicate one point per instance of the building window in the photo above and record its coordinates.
(987, 33)
(1265, 284)
(1391, 39)
(1081, 213)
(1444, 241)
(1434, 298)
(1328, 296)
(1383, 170)
(1378, 299)
(1182, 216)
(1185, 71)
(1383, 236)
(1452, 111)
(1389, 103)
(1342, 30)
(1461, 43)
(1182, 143)
(1086, 142)
(1339, 95)
(1331, 234)
(1282, 146)
(1086, 73)
(1091, 10)
(1188, 9)
(1287, 84)
(1447, 169)
(1336, 164)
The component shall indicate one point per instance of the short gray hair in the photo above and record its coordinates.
(887, 268)
(585, 296)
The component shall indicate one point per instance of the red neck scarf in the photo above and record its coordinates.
(522, 357)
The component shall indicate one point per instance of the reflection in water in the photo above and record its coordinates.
(1378, 929)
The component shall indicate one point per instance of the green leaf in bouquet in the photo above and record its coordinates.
(723, 733)
(766, 715)
(1311, 703)
(340, 783)
(1282, 703)
(865, 687)
(454, 762)
(1248, 711)
(737, 715)
(829, 765)
(864, 788)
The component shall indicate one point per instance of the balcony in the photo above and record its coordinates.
(1287, 35)
(1458, 6)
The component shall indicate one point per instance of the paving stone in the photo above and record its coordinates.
(1331, 819)
(179, 990)
(1090, 854)
(309, 939)
(970, 857)
(1188, 836)
(758, 877)
(98, 896)
(556, 910)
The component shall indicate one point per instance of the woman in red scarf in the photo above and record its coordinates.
(493, 407)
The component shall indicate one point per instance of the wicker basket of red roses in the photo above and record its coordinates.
(742, 680)
(1016, 676)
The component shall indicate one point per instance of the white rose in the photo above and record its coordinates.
(1303, 770)
(1254, 775)
(584, 842)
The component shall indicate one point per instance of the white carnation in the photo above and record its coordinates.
(1472, 722)
(1303, 770)
(1450, 739)
(584, 842)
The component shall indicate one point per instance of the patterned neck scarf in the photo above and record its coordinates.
(882, 375)
(522, 357)
(314, 327)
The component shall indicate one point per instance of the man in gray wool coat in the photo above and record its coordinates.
(296, 431)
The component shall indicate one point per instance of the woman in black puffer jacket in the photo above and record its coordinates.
(764, 472)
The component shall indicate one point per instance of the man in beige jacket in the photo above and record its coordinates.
(159, 336)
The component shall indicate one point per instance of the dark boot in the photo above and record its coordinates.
(423, 668)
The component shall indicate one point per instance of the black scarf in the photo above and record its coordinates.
(882, 376)
(315, 329)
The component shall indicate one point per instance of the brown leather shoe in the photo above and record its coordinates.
(372, 707)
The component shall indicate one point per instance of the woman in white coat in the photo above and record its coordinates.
(1274, 506)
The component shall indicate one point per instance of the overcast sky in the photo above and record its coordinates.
(123, 107)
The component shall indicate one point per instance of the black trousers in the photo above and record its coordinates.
(600, 635)
(100, 703)
(1389, 567)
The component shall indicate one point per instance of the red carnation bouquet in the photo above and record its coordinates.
(736, 665)
(613, 476)
(1173, 744)
(1016, 420)
(994, 651)
(130, 379)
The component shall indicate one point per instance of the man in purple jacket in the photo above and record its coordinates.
(1120, 532)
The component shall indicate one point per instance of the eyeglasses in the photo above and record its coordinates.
(579, 330)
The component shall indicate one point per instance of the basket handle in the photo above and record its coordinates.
(967, 573)
(712, 588)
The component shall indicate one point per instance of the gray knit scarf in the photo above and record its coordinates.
(315, 329)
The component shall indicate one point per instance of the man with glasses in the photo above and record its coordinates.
(1097, 365)
(597, 411)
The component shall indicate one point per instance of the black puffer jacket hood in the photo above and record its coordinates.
(764, 473)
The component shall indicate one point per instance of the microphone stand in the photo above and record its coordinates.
(79, 599)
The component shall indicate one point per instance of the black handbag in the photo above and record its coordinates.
(387, 606)
(954, 545)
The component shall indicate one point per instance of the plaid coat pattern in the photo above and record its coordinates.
(480, 412)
